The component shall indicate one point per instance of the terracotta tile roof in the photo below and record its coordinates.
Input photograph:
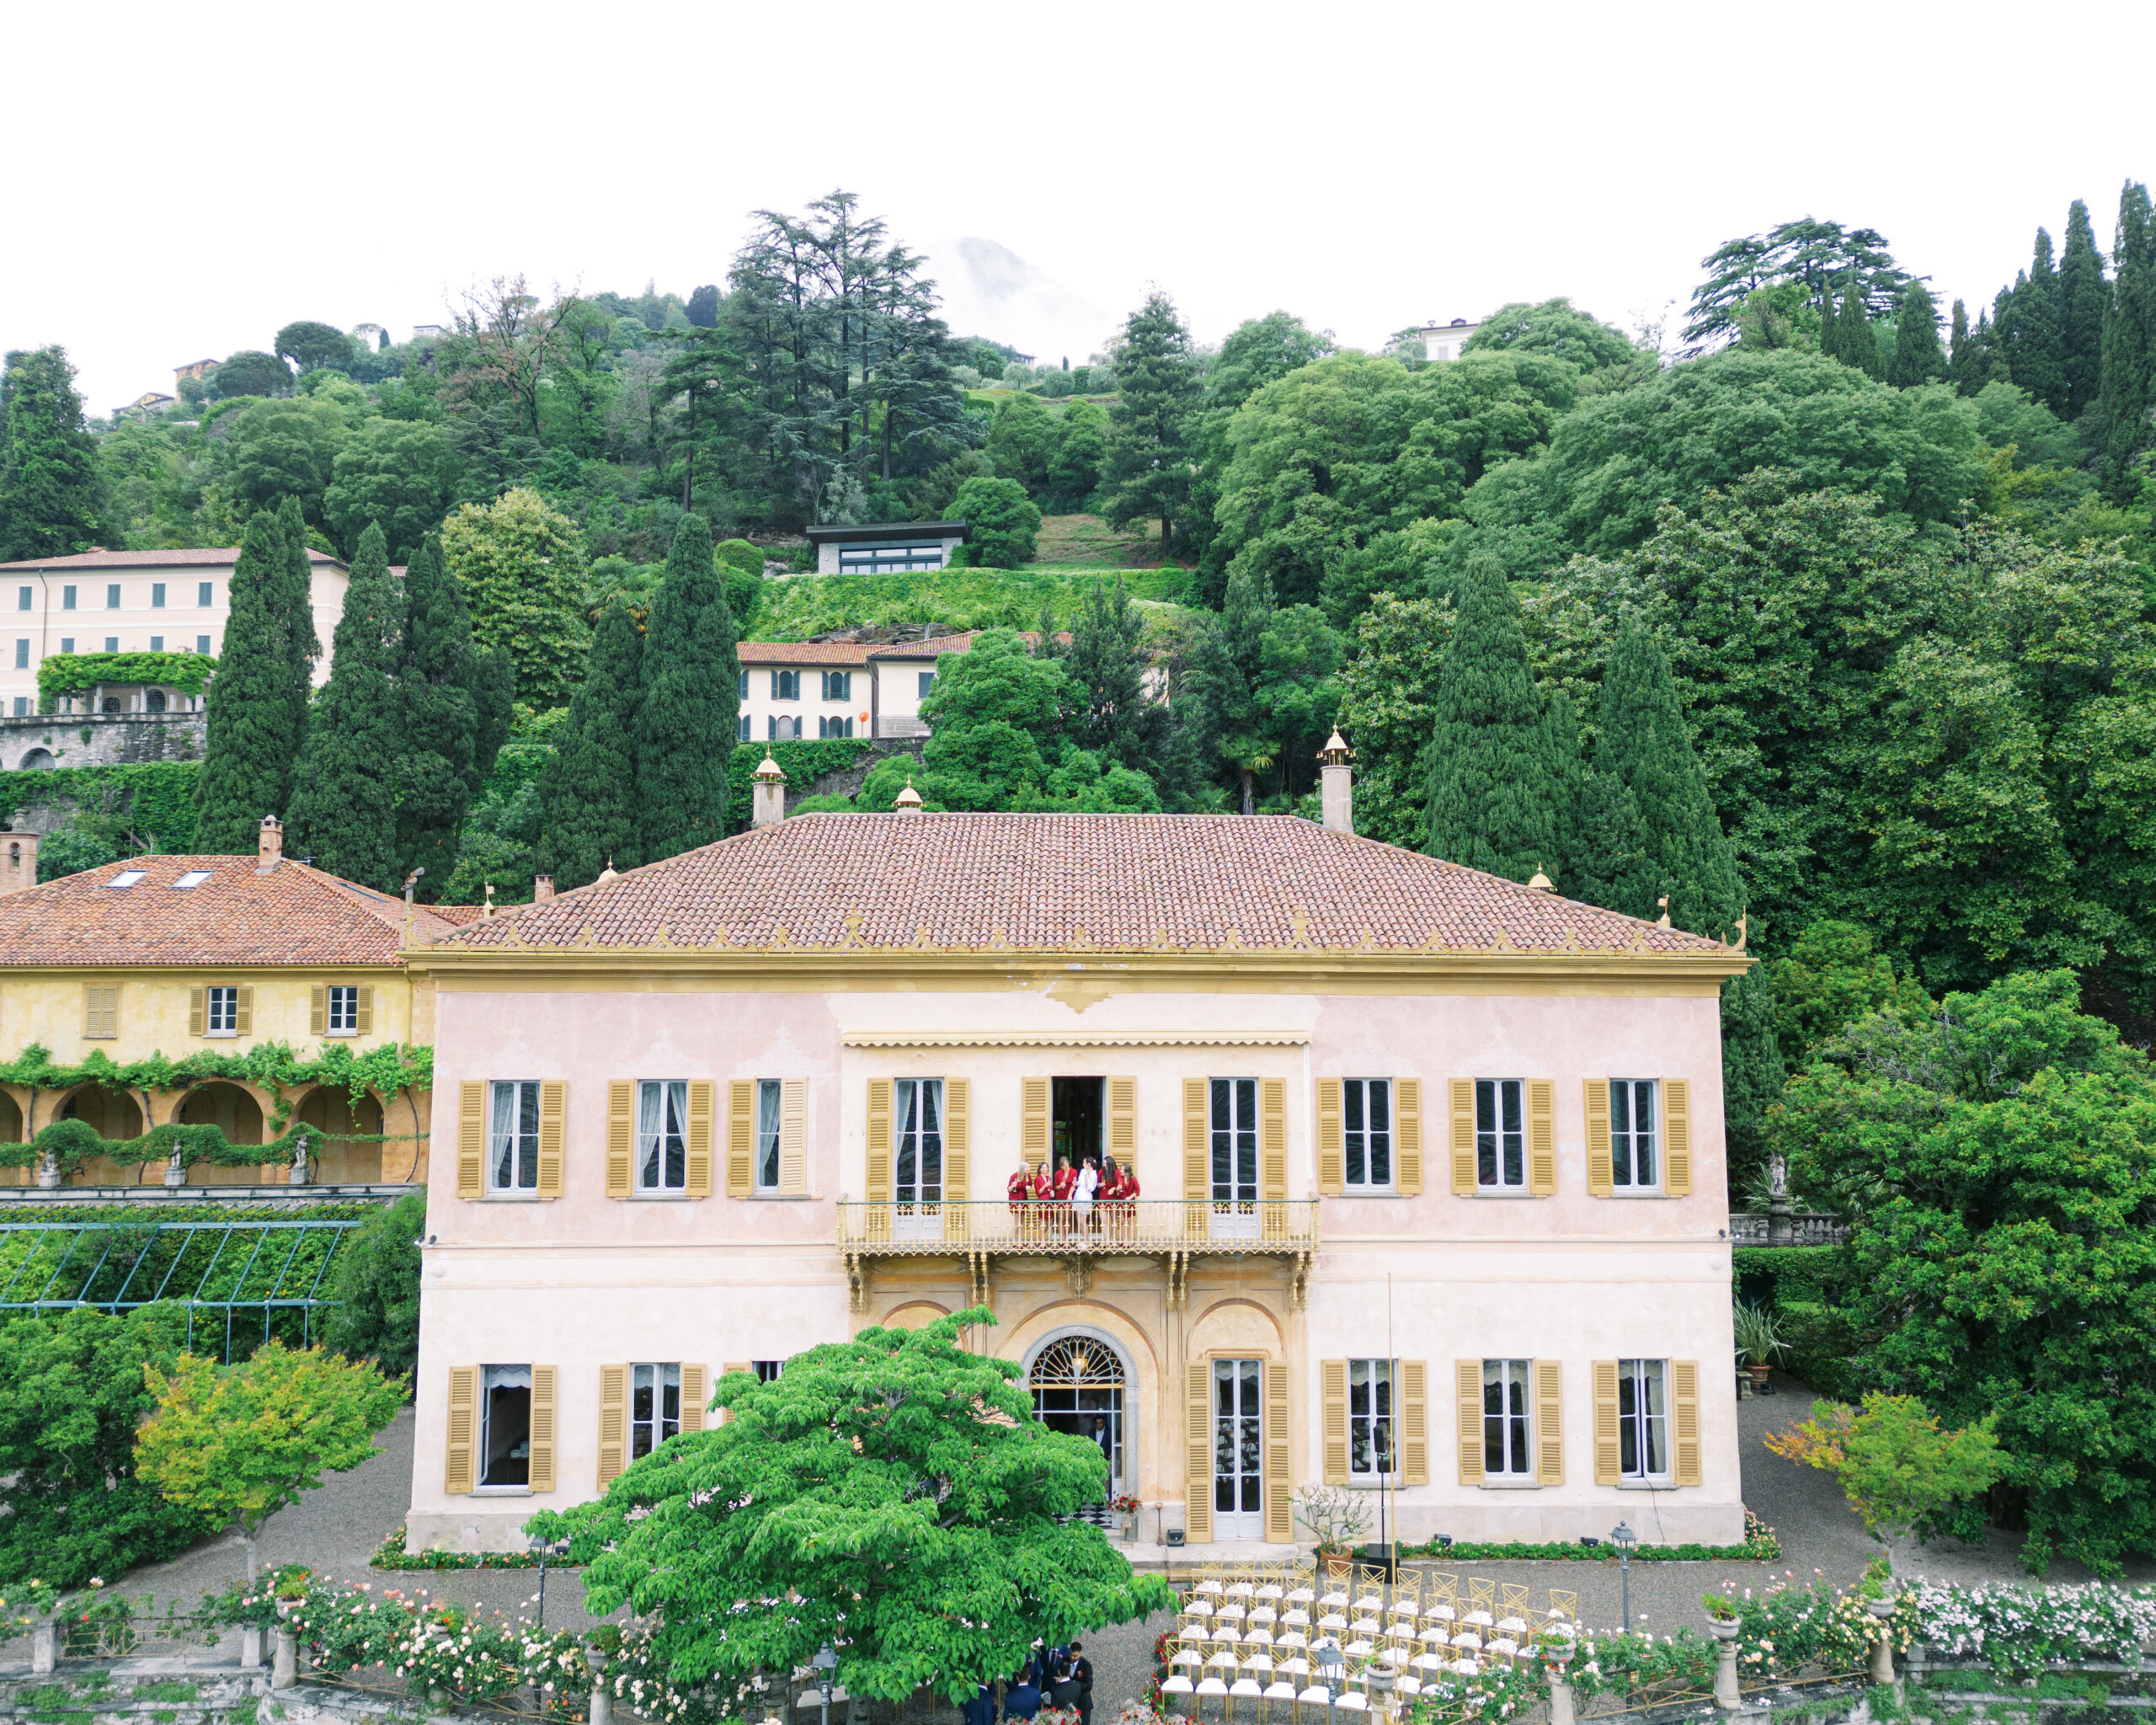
(456, 915)
(1039, 881)
(803, 653)
(151, 560)
(294, 915)
(930, 647)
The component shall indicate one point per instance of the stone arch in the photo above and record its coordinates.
(38, 760)
(238, 1111)
(111, 1113)
(913, 1315)
(15, 1168)
(1240, 1327)
(327, 1108)
(1142, 1398)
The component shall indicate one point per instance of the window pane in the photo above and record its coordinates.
(1380, 1118)
(504, 1135)
(1352, 1147)
(767, 1133)
(907, 1159)
(647, 1136)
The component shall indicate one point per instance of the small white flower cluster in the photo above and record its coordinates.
(2028, 1626)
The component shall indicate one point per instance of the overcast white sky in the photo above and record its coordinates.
(183, 179)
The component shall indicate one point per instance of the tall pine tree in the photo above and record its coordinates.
(2036, 358)
(1917, 357)
(246, 765)
(691, 707)
(343, 805)
(1846, 334)
(51, 497)
(2129, 371)
(434, 679)
(1120, 723)
(2082, 293)
(1149, 421)
(1502, 794)
(588, 789)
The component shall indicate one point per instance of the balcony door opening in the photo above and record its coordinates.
(1077, 1385)
(1079, 1110)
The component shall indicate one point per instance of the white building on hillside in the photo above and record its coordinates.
(867, 685)
(886, 548)
(1446, 341)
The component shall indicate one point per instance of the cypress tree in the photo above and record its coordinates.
(1961, 356)
(1917, 357)
(51, 496)
(1221, 722)
(1987, 364)
(690, 709)
(494, 689)
(1852, 340)
(1501, 797)
(2129, 369)
(441, 715)
(2037, 359)
(246, 765)
(289, 599)
(588, 789)
(344, 804)
(2006, 322)
(2082, 293)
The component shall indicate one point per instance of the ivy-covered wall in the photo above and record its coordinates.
(156, 800)
(1799, 1284)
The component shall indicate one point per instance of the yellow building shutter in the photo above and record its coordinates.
(198, 1012)
(1034, 1121)
(793, 1137)
(1279, 1466)
(472, 1139)
(727, 1413)
(957, 1136)
(703, 1100)
(1677, 1137)
(1122, 1120)
(107, 1012)
(244, 1017)
(1414, 1423)
(1541, 1137)
(1463, 1137)
(1407, 1136)
(553, 1109)
(542, 1427)
(463, 1424)
(1549, 1422)
(1273, 1139)
(1197, 1172)
(317, 1010)
(613, 1423)
(363, 1019)
(1332, 1158)
(1333, 1380)
(740, 1137)
(1598, 1138)
(1197, 1460)
(1684, 1418)
(621, 1136)
(696, 1391)
(1609, 1458)
(1468, 1419)
(879, 1141)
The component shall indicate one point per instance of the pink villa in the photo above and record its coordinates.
(1430, 1196)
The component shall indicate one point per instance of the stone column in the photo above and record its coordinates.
(250, 1647)
(45, 1645)
(1561, 1698)
(1882, 1649)
(1726, 1696)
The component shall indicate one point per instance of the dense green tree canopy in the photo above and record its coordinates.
(589, 789)
(1556, 327)
(250, 372)
(254, 728)
(51, 495)
(312, 346)
(1002, 523)
(1150, 426)
(344, 804)
(397, 474)
(521, 565)
(281, 449)
(690, 706)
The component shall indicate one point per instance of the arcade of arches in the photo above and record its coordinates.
(235, 1111)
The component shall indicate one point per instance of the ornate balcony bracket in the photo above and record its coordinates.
(1078, 1276)
(1177, 1266)
(1299, 1284)
(977, 1262)
(856, 1282)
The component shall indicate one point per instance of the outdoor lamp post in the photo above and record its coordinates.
(824, 1663)
(1334, 1668)
(546, 1549)
(1625, 1540)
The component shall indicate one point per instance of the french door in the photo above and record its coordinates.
(1238, 1445)
(917, 1163)
(1234, 1159)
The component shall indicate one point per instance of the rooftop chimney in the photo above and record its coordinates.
(270, 851)
(17, 861)
(769, 781)
(908, 800)
(1337, 790)
(542, 887)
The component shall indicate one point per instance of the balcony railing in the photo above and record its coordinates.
(1135, 1226)
(1805, 1228)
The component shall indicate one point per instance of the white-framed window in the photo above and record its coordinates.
(223, 1006)
(663, 1137)
(1369, 1418)
(157, 595)
(1366, 1139)
(67, 644)
(829, 727)
(202, 643)
(22, 656)
(67, 598)
(343, 1009)
(767, 1371)
(1642, 1419)
(769, 1120)
(1500, 1135)
(112, 645)
(1234, 1140)
(22, 599)
(505, 1425)
(927, 682)
(785, 686)
(654, 1407)
(112, 597)
(838, 686)
(157, 645)
(513, 1149)
(1633, 1132)
(1505, 1420)
(205, 594)
(917, 1155)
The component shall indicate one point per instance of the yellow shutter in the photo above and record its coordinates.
(740, 1137)
(1273, 1139)
(695, 1392)
(1541, 1137)
(613, 1423)
(703, 1099)
(1332, 1158)
(553, 1107)
(456, 1477)
(793, 1137)
(111, 1018)
(1414, 1423)
(1332, 1379)
(1467, 1375)
(879, 1141)
(1407, 1136)
(1196, 1172)
(198, 1012)
(363, 1021)
(1034, 1120)
(1122, 1120)
(1463, 1137)
(471, 1140)
(621, 1137)
(1677, 1137)
(727, 1413)
(1609, 1458)
(1549, 1422)
(1598, 1138)
(1279, 1501)
(1684, 1418)
(243, 1018)
(1198, 1461)
(957, 1136)
(542, 1428)
(317, 1010)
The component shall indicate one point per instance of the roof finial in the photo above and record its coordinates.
(909, 799)
(1541, 882)
(608, 873)
(1743, 932)
(487, 908)
(1662, 921)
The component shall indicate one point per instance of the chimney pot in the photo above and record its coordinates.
(270, 850)
(1336, 785)
(542, 887)
(767, 793)
(18, 862)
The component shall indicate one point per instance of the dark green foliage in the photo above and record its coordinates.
(250, 372)
(400, 473)
(71, 851)
(589, 789)
(2082, 294)
(310, 346)
(1107, 671)
(149, 806)
(70, 1395)
(690, 706)
(1832, 977)
(1148, 471)
(52, 498)
(1974, 360)
(253, 741)
(1556, 327)
(1818, 256)
(2034, 357)
(439, 769)
(802, 763)
(2129, 352)
(289, 598)
(1918, 357)
(1846, 335)
(343, 804)
(1388, 710)
(1001, 522)
(703, 306)
(493, 693)
(376, 1283)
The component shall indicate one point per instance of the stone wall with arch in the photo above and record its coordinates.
(1237, 1327)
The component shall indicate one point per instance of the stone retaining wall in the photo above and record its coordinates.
(99, 740)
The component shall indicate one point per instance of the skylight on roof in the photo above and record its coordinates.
(127, 877)
(193, 877)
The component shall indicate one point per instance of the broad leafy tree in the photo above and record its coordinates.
(311, 346)
(398, 473)
(52, 498)
(521, 564)
(1002, 523)
(251, 372)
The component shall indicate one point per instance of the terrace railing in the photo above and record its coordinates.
(1131, 1226)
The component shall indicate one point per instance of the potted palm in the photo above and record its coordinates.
(1759, 1344)
(1337, 1518)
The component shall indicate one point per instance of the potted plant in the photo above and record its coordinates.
(1759, 1344)
(1337, 1519)
(1721, 1614)
(1125, 1509)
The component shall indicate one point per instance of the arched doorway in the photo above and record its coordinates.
(235, 1113)
(111, 1113)
(15, 1168)
(38, 760)
(1078, 1382)
(328, 1109)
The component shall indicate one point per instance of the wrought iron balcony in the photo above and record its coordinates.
(1128, 1228)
